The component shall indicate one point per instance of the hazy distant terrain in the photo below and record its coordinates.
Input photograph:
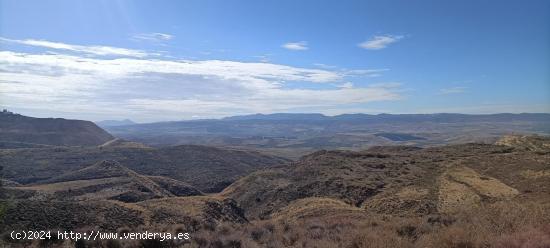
(112, 123)
(350, 184)
(293, 135)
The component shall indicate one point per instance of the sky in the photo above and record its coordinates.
(179, 60)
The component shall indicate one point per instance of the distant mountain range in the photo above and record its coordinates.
(278, 117)
(440, 117)
(114, 123)
(347, 118)
(293, 135)
(279, 133)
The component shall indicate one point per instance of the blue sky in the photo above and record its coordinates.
(172, 60)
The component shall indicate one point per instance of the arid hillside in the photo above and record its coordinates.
(468, 195)
(402, 180)
(22, 131)
(208, 169)
(106, 180)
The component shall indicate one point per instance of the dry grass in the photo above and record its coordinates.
(505, 224)
(532, 174)
(453, 195)
(177, 206)
(314, 207)
(484, 185)
(489, 226)
(76, 184)
(461, 186)
(532, 143)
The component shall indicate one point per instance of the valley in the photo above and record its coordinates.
(295, 135)
(470, 194)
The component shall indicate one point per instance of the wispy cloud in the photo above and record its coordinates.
(346, 85)
(161, 88)
(325, 66)
(154, 37)
(93, 50)
(364, 72)
(452, 90)
(380, 42)
(297, 46)
(265, 58)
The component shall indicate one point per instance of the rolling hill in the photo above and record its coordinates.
(454, 195)
(107, 180)
(208, 169)
(22, 131)
(403, 180)
(465, 195)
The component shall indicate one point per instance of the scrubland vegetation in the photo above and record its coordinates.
(503, 224)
